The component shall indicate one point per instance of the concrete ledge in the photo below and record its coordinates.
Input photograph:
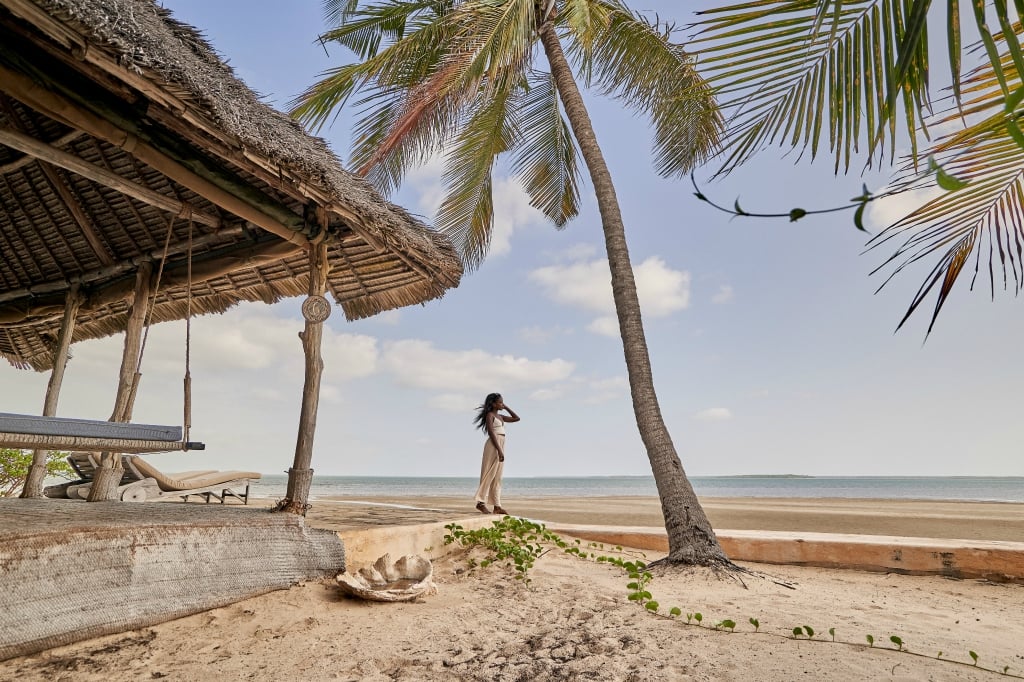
(364, 545)
(991, 560)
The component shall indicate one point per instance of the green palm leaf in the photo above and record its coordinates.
(987, 214)
(467, 213)
(546, 158)
(629, 57)
(451, 76)
(788, 72)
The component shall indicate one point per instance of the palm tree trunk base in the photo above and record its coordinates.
(718, 564)
(291, 507)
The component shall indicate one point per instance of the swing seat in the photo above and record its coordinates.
(30, 432)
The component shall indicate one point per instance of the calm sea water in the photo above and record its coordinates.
(1000, 489)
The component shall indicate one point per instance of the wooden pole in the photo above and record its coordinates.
(316, 309)
(108, 474)
(37, 472)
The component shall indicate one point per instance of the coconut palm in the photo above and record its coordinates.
(467, 79)
(791, 72)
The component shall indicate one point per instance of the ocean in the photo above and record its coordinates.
(994, 489)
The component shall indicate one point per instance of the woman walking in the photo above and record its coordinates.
(490, 420)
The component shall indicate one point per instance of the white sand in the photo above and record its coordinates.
(574, 622)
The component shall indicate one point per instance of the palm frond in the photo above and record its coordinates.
(987, 211)
(547, 159)
(585, 21)
(635, 60)
(787, 70)
(337, 11)
(403, 64)
(467, 213)
(484, 54)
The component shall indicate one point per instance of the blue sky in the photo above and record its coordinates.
(771, 352)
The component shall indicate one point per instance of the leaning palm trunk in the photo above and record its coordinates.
(690, 537)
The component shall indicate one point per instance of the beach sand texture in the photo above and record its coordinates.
(574, 621)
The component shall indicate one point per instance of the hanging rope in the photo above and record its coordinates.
(187, 422)
(149, 313)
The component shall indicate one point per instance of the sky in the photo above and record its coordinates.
(772, 352)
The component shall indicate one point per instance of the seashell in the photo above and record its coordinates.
(387, 580)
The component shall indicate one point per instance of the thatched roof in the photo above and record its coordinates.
(123, 88)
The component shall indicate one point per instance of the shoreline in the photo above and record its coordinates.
(1001, 521)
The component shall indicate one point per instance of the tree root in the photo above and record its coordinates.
(720, 568)
(290, 506)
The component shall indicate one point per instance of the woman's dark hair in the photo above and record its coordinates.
(481, 418)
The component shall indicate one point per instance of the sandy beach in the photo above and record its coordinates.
(907, 518)
(574, 620)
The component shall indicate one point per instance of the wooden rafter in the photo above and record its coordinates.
(116, 269)
(210, 265)
(27, 159)
(58, 157)
(67, 197)
(255, 209)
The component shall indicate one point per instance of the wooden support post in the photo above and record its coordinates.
(316, 309)
(108, 474)
(37, 472)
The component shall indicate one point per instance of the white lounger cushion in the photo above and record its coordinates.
(173, 482)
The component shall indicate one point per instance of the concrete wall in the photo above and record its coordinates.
(991, 560)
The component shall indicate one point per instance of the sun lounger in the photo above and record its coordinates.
(142, 481)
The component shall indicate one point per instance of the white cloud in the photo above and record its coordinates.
(388, 317)
(419, 364)
(426, 181)
(882, 213)
(512, 211)
(723, 295)
(453, 402)
(610, 384)
(714, 414)
(607, 325)
(348, 356)
(603, 390)
(537, 334)
(587, 285)
(545, 394)
(581, 251)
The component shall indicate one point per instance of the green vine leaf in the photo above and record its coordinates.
(944, 179)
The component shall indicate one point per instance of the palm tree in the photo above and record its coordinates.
(790, 72)
(461, 77)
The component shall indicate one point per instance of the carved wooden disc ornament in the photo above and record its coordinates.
(316, 309)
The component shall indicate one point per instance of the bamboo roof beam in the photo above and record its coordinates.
(205, 267)
(27, 159)
(58, 157)
(115, 269)
(23, 88)
(67, 198)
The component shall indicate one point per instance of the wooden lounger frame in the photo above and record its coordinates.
(135, 487)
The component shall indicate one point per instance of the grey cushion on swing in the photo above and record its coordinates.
(86, 428)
